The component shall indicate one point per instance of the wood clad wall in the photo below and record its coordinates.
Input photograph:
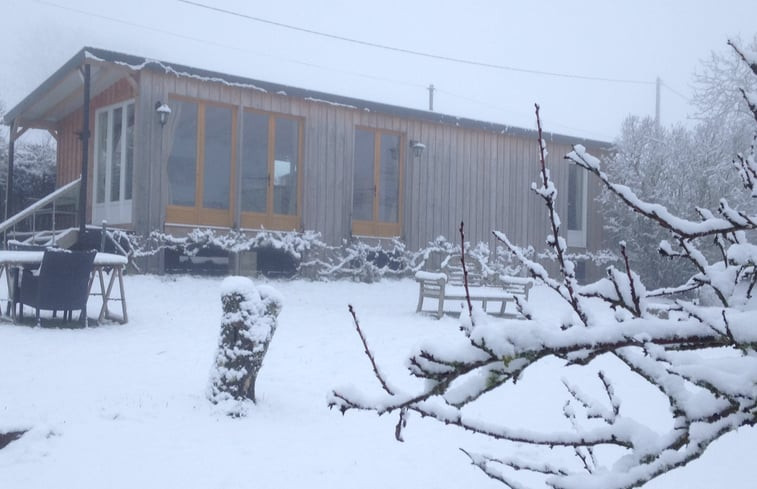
(480, 177)
(69, 144)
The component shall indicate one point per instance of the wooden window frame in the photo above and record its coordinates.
(269, 219)
(198, 214)
(374, 227)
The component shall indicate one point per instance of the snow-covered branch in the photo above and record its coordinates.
(697, 355)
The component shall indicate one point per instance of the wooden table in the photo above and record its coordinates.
(106, 270)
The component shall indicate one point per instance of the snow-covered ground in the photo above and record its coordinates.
(124, 405)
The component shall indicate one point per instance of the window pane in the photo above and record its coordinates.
(183, 158)
(389, 179)
(575, 198)
(116, 150)
(129, 163)
(102, 155)
(255, 162)
(363, 184)
(217, 167)
(285, 165)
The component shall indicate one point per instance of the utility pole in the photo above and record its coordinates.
(658, 84)
(431, 97)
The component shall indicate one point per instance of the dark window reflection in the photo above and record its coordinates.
(217, 166)
(183, 158)
(255, 162)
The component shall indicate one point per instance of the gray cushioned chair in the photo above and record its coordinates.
(61, 284)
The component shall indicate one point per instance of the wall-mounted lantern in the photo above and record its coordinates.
(163, 111)
(417, 148)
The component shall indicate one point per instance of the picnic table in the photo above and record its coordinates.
(107, 270)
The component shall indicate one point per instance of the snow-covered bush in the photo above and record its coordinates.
(247, 327)
(33, 171)
(612, 337)
(354, 259)
(233, 241)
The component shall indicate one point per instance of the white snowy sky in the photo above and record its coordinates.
(625, 39)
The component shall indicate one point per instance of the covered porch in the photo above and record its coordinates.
(86, 97)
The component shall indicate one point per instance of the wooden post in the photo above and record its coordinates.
(9, 183)
(84, 136)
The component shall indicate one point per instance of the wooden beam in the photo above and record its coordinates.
(132, 79)
(9, 182)
(69, 100)
(26, 124)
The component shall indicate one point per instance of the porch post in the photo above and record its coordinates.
(84, 136)
(9, 183)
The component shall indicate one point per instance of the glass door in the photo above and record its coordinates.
(114, 161)
(377, 183)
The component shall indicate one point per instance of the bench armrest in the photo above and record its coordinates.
(423, 276)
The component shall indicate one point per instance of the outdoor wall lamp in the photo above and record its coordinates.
(417, 148)
(163, 111)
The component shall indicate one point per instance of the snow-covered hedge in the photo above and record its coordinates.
(353, 259)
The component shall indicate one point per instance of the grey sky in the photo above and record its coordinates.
(627, 40)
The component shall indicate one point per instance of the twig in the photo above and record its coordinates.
(557, 244)
(465, 271)
(631, 281)
(367, 350)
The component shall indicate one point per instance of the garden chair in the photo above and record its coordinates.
(61, 284)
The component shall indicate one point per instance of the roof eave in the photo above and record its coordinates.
(138, 63)
(73, 63)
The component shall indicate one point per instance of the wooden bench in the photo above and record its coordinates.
(448, 285)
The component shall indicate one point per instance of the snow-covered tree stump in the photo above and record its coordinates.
(247, 327)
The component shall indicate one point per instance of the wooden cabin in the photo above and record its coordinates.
(175, 148)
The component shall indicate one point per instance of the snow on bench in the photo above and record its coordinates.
(449, 286)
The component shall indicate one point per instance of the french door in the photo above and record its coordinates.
(200, 165)
(114, 163)
(377, 183)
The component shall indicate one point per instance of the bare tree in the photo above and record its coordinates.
(651, 159)
(700, 359)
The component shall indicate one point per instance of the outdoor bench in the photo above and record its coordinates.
(444, 287)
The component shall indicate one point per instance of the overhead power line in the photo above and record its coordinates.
(674, 91)
(414, 52)
(489, 104)
(224, 45)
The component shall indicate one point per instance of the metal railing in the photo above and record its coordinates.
(42, 219)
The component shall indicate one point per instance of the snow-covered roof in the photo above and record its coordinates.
(55, 97)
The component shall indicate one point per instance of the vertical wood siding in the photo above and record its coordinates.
(478, 176)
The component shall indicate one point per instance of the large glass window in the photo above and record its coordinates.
(270, 171)
(364, 186)
(114, 162)
(255, 162)
(217, 167)
(182, 160)
(200, 163)
(285, 166)
(389, 179)
(577, 201)
(377, 179)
